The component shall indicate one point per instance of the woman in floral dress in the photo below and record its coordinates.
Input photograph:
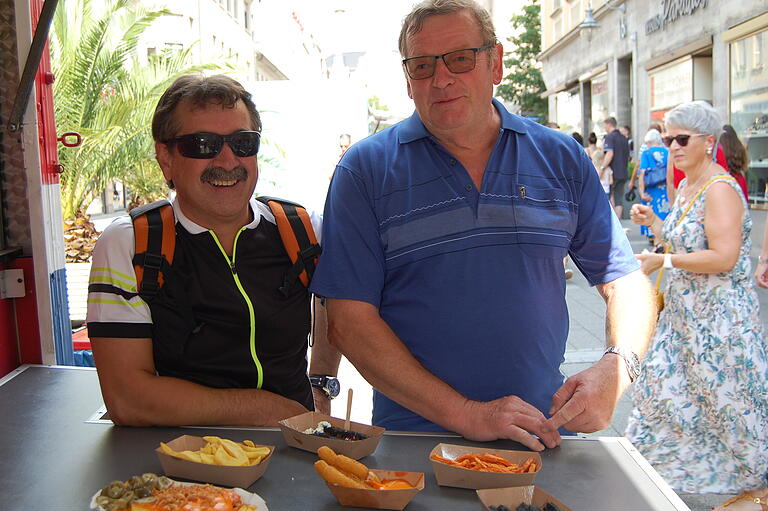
(700, 412)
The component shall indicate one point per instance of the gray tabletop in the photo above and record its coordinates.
(53, 458)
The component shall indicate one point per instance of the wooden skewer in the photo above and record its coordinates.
(349, 409)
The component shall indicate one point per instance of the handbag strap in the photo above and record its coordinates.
(685, 212)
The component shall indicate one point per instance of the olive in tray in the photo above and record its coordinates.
(119, 495)
(150, 492)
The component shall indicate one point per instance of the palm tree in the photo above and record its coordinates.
(103, 93)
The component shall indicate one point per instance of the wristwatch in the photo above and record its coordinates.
(668, 262)
(327, 383)
(630, 360)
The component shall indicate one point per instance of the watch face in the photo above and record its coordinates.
(333, 387)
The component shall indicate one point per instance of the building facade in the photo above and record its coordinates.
(637, 59)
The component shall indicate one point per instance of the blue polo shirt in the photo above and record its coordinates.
(470, 280)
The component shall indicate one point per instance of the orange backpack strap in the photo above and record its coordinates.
(154, 230)
(298, 238)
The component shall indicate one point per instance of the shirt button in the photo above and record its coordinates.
(468, 188)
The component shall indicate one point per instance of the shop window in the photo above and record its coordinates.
(739, 59)
(758, 52)
(599, 102)
(671, 84)
(749, 108)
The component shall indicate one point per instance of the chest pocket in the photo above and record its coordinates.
(543, 220)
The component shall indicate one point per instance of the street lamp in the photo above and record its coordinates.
(590, 23)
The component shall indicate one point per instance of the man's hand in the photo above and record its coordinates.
(586, 401)
(508, 417)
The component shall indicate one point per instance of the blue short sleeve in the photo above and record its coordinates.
(600, 247)
(352, 263)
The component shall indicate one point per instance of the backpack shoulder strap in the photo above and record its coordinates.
(298, 239)
(154, 230)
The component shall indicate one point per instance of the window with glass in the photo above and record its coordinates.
(749, 107)
(600, 110)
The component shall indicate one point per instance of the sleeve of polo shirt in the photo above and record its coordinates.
(352, 264)
(600, 247)
(608, 142)
(114, 309)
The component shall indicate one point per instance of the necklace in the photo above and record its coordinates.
(684, 196)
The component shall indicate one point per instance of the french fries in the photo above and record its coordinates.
(221, 451)
(487, 462)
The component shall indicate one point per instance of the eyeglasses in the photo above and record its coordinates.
(682, 140)
(458, 61)
(204, 145)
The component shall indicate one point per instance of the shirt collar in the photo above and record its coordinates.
(194, 228)
(413, 129)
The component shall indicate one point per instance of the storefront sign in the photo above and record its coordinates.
(671, 10)
(671, 85)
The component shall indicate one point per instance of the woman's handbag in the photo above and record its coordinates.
(655, 176)
(659, 293)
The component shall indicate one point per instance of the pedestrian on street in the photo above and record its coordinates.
(652, 182)
(736, 157)
(616, 149)
(700, 408)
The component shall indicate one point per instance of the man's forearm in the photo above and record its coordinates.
(325, 357)
(136, 396)
(358, 331)
(164, 401)
(630, 312)
(607, 159)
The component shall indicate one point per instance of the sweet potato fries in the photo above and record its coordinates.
(486, 462)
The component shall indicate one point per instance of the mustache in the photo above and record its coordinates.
(221, 174)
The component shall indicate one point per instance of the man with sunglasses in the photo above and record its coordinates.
(221, 343)
(443, 243)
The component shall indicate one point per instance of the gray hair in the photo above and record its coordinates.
(415, 20)
(698, 116)
(653, 137)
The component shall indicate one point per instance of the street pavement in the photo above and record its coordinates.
(585, 346)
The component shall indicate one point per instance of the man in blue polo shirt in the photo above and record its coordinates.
(443, 245)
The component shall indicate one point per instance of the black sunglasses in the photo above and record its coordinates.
(204, 145)
(682, 140)
(458, 61)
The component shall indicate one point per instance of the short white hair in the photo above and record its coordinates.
(698, 116)
(653, 137)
